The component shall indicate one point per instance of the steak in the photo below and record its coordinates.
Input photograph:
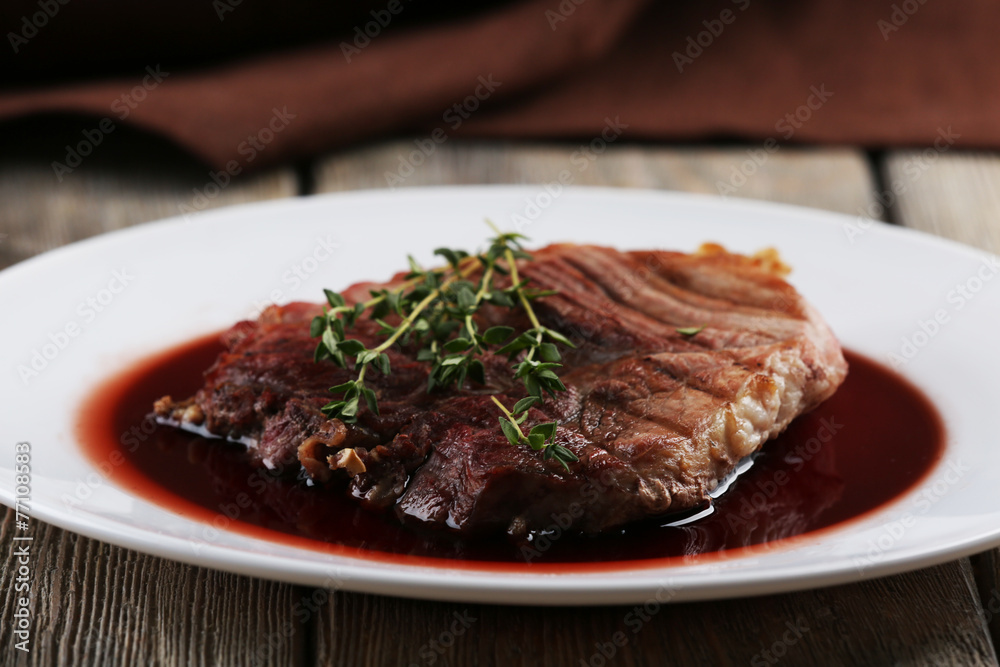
(656, 414)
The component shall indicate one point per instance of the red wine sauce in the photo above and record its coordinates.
(873, 440)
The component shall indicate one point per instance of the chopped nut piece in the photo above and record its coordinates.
(186, 411)
(163, 406)
(194, 415)
(349, 460)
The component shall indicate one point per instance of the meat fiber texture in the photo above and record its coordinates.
(657, 417)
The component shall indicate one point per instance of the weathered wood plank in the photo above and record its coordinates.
(955, 195)
(930, 616)
(987, 570)
(833, 179)
(92, 603)
(878, 622)
(952, 195)
(127, 180)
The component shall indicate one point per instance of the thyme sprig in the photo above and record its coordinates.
(539, 437)
(436, 310)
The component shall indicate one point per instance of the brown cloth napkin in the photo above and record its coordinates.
(907, 72)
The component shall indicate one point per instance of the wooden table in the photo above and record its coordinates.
(99, 604)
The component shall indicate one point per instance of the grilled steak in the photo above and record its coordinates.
(656, 417)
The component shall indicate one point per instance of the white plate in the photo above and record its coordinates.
(189, 278)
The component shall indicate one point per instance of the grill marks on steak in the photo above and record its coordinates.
(657, 418)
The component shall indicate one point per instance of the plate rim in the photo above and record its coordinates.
(562, 591)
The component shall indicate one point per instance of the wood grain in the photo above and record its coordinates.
(918, 618)
(931, 616)
(833, 179)
(93, 603)
(987, 570)
(127, 180)
(953, 195)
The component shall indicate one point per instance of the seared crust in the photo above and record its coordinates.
(656, 417)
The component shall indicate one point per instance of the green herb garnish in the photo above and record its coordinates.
(540, 437)
(437, 309)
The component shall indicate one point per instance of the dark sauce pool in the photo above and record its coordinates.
(876, 438)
